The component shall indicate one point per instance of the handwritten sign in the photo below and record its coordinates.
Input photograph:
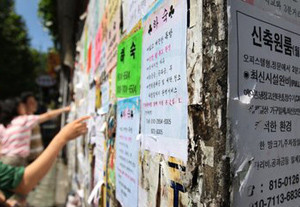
(128, 121)
(129, 66)
(112, 39)
(164, 83)
(113, 9)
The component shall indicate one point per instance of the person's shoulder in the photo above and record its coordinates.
(24, 120)
(20, 119)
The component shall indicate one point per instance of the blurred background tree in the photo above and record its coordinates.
(19, 64)
(48, 13)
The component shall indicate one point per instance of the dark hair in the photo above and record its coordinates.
(26, 95)
(9, 110)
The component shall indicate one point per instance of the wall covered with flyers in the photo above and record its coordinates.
(136, 73)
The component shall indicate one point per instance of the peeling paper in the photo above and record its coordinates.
(166, 196)
(80, 192)
(242, 173)
(142, 197)
(149, 180)
(101, 111)
(103, 127)
(207, 154)
(95, 192)
(165, 146)
(244, 99)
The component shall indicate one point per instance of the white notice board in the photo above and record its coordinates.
(264, 107)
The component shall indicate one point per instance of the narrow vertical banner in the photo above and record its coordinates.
(98, 46)
(112, 38)
(85, 46)
(89, 58)
(164, 83)
(127, 150)
(129, 66)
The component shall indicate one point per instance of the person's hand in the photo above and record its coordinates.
(12, 203)
(67, 108)
(8, 203)
(74, 129)
(2, 198)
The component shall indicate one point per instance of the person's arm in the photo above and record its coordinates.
(39, 168)
(52, 114)
(3, 202)
(2, 198)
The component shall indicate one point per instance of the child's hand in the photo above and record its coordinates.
(74, 129)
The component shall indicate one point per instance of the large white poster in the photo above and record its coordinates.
(127, 151)
(164, 84)
(264, 107)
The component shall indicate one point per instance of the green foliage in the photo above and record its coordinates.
(48, 13)
(19, 64)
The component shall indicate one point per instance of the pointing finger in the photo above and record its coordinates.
(83, 118)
